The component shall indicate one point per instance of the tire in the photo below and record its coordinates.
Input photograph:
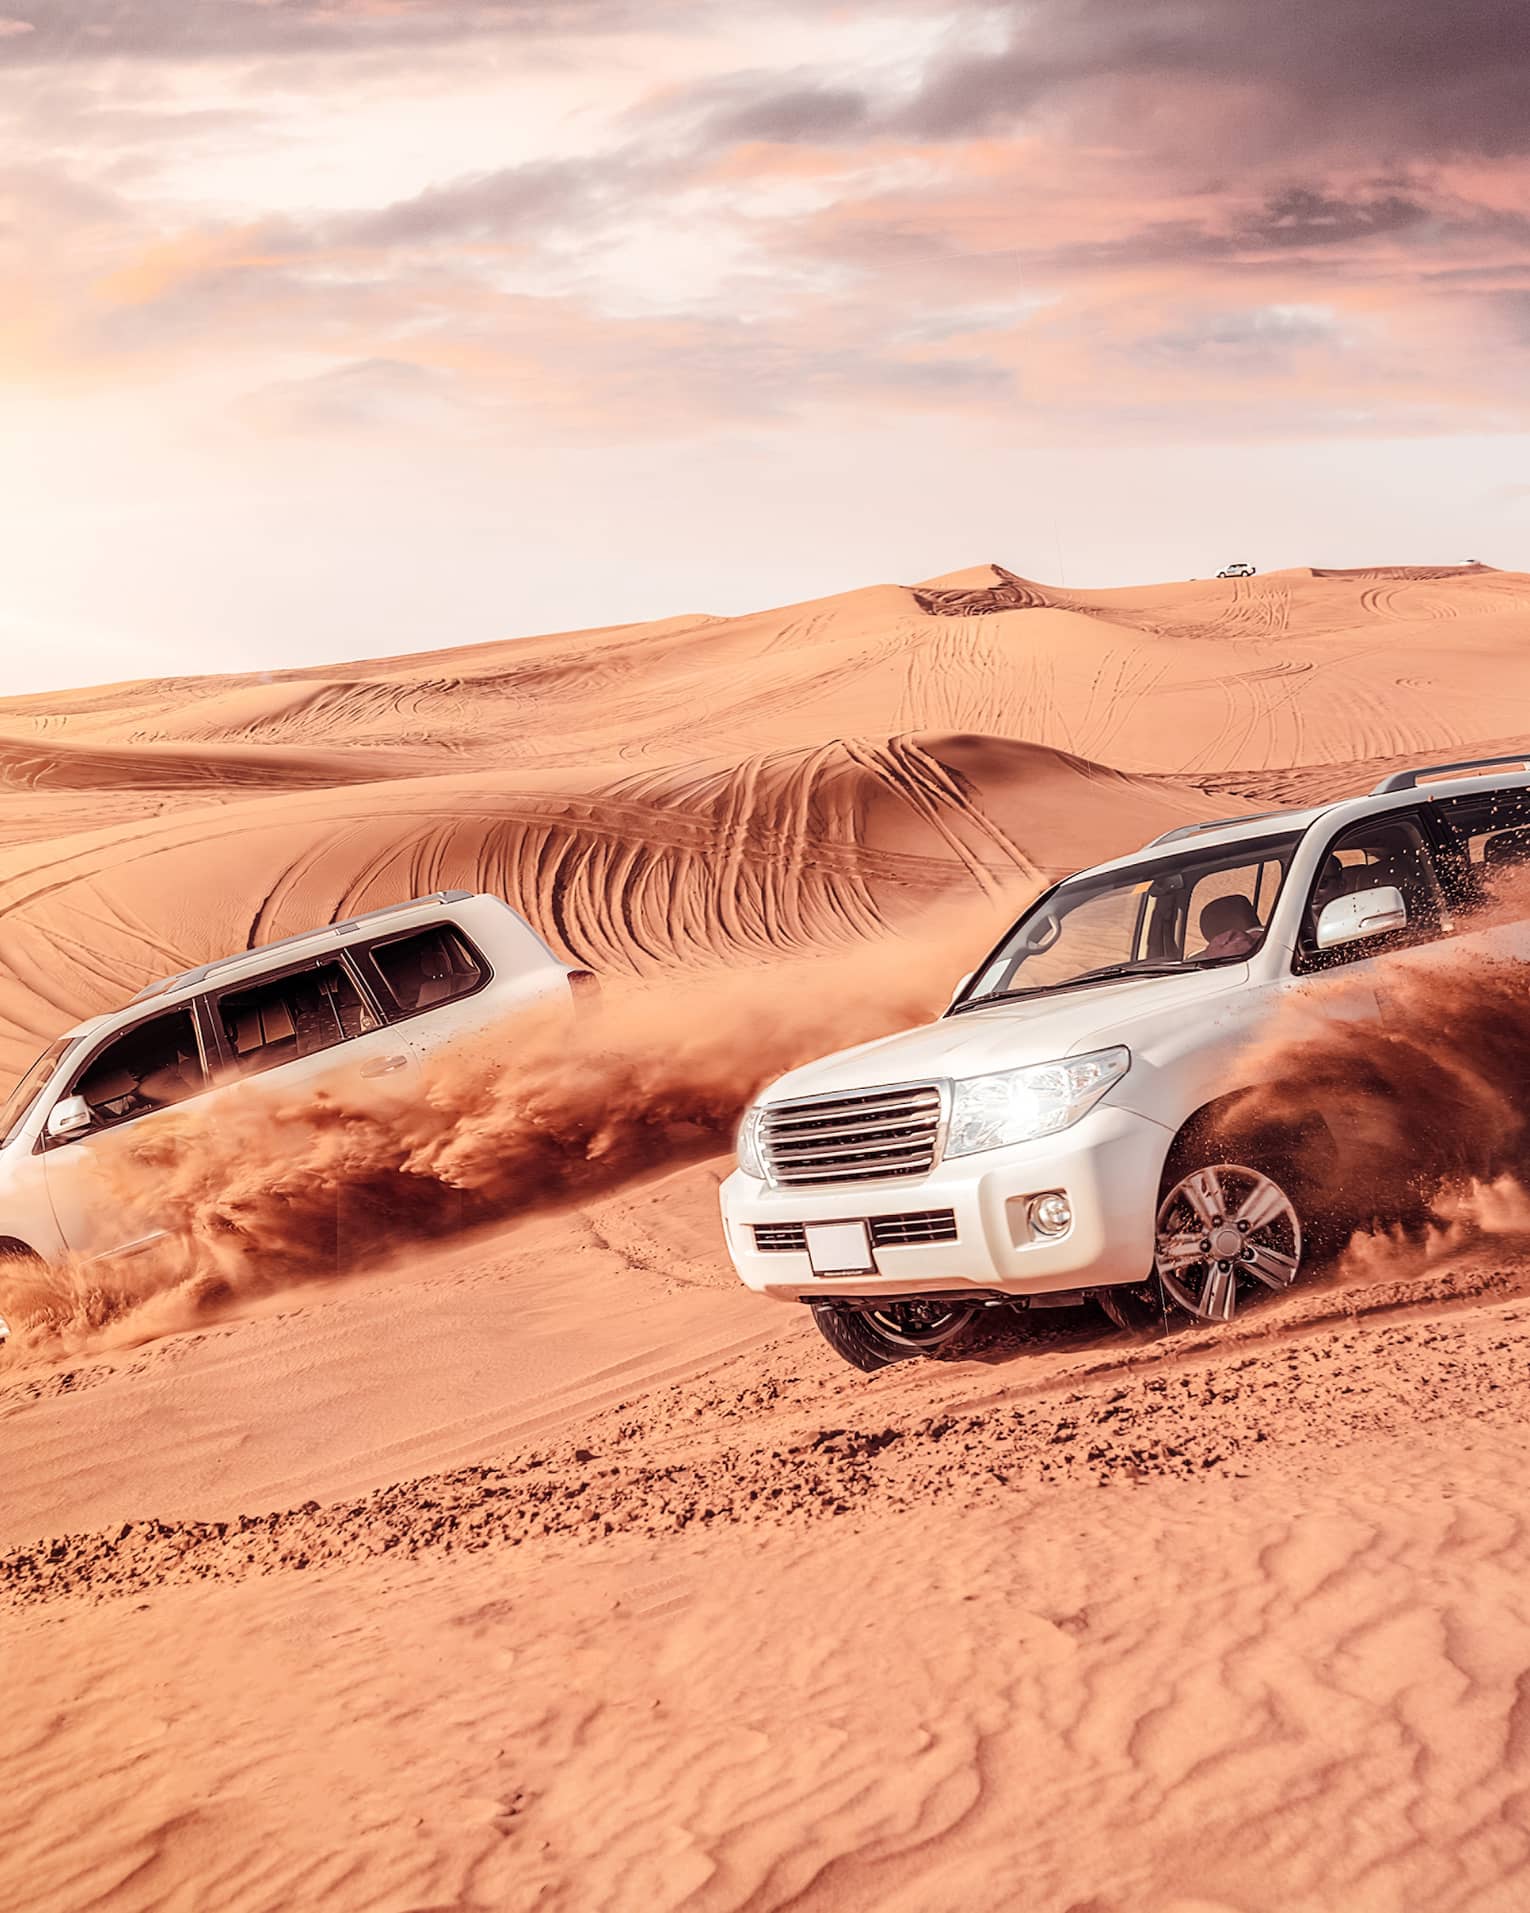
(1137, 1308)
(1227, 1232)
(16, 1258)
(869, 1339)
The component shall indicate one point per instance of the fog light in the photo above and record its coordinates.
(1051, 1214)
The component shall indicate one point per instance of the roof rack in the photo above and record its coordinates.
(186, 977)
(1213, 823)
(1408, 780)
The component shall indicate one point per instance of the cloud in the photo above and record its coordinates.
(1408, 80)
(191, 30)
(1223, 82)
(1259, 338)
(571, 195)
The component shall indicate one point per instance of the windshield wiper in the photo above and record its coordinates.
(1107, 972)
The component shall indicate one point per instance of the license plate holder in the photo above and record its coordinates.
(840, 1248)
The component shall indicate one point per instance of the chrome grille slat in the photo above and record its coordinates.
(887, 1232)
(864, 1117)
(866, 1134)
(887, 1141)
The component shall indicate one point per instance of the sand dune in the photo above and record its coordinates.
(701, 788)
(550, 1569)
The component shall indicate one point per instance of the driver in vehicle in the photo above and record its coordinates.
(1231, 927)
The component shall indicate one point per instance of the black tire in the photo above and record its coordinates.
(867, 1341)
(1137, 1308)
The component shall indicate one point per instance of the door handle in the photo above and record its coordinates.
(384, 1065)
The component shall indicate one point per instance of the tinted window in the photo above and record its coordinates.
(1385, 852)
(19, 1103)
(1483, 838)
(290, 1016)
(148, 1067)
(425, 968)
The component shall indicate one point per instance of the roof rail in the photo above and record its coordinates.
(1408, 780)
(185, 977)
(1213, 823)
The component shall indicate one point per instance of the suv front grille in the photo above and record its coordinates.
(887, 1232)
(863, 1137)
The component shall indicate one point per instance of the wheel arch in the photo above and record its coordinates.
(1236, 1121)
(12, 1248)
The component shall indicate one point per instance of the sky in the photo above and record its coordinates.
(334, 328)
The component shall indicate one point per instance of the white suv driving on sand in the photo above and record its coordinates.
(370, 997)
(1056, 1134)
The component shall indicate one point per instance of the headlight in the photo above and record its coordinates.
(1018, 1105)
(747, 1144)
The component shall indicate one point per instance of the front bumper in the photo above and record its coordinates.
(1109, 1166)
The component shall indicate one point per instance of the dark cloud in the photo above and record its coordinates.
(34, 32)
(783, 115)
(498, 206)
(1300, 217)
(1412, 78)
(1381, 80)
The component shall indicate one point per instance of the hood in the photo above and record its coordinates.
(1037, 1029)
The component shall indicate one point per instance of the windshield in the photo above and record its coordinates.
(1177, 912)
(15, 1109)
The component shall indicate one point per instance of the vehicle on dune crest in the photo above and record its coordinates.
(367, 999)
(1087, 1120)
(1239, 570)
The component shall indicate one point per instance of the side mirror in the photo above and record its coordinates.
(961, 986)
(70, 1116)
(1369, 913)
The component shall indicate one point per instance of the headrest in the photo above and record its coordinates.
(1223, 914)
(106, 1085)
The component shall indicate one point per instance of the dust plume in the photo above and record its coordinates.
(260, 1190)
(1412, 1123)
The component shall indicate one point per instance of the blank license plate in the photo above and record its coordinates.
(840, 1248)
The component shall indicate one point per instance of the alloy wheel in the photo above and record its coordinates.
(1225, 1233)
(920, 1325)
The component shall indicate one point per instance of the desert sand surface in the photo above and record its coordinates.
(546, 1567)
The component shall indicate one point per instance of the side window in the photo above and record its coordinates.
(1229, 910)
(148, 1067)
(425, 968)
(285, 1017)
(1385, 852)
(1482, 839)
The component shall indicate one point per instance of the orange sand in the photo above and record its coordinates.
(550, 1569)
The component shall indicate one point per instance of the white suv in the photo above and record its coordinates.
(368, 998)
(1066, 1129)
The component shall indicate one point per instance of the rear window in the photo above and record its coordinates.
(291, 1016)
(427, 968)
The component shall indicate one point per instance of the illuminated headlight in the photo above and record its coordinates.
(1018, 1105)
(747, 1145)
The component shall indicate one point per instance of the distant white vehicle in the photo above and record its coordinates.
(1072, 1127)
(365, 1001)
(1237, 571)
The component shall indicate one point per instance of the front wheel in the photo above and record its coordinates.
(1225, 1234)
(870, 1338)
